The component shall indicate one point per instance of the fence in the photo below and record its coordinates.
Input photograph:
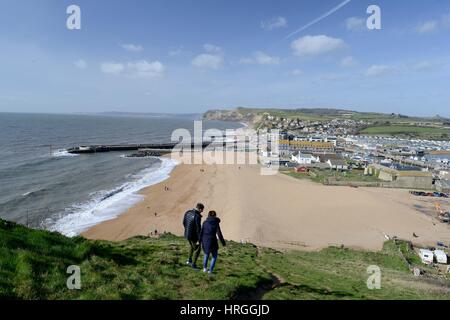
(333, 182)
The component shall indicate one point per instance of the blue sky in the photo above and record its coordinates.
(193, 55)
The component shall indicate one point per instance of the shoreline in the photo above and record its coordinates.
(122, 198)
(114, 202)
(277, 211)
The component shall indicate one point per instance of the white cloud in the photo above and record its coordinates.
(144, 69)
(379, 70)
(433, 26)
(427, 27)
(262, 58)
(132, 47)
(355, 24)
(315, 45)
(212, 59)
(136, 69)
(274, 23)
(423, 66)
(176, 52)
(404, 69)
(208, 61)
(112, 68)
(349, 62)
(81, 64)
(296, 72)
(210, 48)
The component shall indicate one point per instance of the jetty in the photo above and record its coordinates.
(157, 147)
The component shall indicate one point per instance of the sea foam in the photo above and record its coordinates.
(63, 153)
(109, 204)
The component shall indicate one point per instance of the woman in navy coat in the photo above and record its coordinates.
(208, 237)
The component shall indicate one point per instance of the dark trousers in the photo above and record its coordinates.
(194, 251)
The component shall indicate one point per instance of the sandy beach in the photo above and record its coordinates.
(279, 211)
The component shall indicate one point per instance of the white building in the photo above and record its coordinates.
(441, 256)
(333, 140)
(337, 164)
(301, 138)
(304, 158)
(426, 256)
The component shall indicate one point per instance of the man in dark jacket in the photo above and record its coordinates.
(192, 227)
(208, 237)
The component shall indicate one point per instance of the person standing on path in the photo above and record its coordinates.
(192, 227)
(208, 237)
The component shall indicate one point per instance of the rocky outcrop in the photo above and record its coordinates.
(237, 115)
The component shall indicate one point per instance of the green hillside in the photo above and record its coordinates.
(316, 114)
(409, 131)
(33, 265)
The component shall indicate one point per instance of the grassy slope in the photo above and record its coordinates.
(328, 114)
(412, 131)
(33, 266)
(381, 124)
(432, 128)
(336, 273)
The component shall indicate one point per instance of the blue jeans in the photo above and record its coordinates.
(213, 260)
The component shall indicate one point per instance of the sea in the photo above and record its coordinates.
(43, 186)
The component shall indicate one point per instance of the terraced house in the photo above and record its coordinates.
(288, 147)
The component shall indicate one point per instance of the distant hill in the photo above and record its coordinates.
(254, 114)
(151, 114)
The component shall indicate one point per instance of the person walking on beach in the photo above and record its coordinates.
(208, 237)
(192, 228)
